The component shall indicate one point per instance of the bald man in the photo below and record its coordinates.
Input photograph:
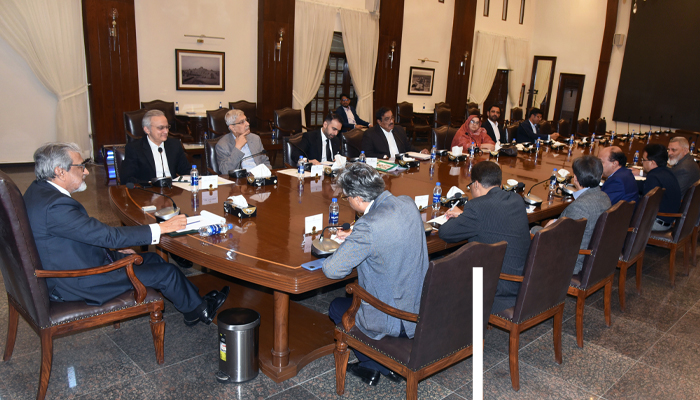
(619, 181)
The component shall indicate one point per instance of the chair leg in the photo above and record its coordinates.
(639, 274)
(621, 285)
(513, 348)
(686, 253)
(158, 332)
(411, 386)
(580, 303)
(672, 265)
(341, 355)
(606, 300)
(558, 318)
(694, 243)
(117, 325)
(12, 321)
(46, 359)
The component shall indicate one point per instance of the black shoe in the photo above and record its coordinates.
(183, 263)
(206, 311)
(394, 377)
(368, 376)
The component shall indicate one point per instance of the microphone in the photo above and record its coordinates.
(321, 248)
(163, 214)
(531, 198)
(254, 155)
(160, 151)
(242, 172)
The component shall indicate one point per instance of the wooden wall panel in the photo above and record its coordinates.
(112, 73)
(458, 74)
(604, 63)
(275, 78)
(386, 77)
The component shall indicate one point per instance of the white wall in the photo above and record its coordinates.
(617, 56)
(160, 29)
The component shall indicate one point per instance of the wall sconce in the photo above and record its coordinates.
(391, 54)
(463, 64)
(113, 29)
(277, 55)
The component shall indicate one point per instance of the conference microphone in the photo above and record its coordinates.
(323, 248)
(163, 214)
(531, 198)
(242, 172)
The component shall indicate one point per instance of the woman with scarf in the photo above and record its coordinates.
(470, 133)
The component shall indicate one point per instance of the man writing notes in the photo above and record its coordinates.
(529, 130)
(154, 155)
(385, 140)
(67, 238)
(491, 216)
(239, 149)
(348, 116)
(682, 163)
(322, 144)
(654, 163)
(388, 248)
(619, 181)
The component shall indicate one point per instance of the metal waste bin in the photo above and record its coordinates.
(238, 345)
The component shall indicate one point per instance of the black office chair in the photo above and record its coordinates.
(291, 150)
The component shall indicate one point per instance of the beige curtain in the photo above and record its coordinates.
(48, 35)
(313, 34)
(517, 52)
(361, 41)
(487, 53)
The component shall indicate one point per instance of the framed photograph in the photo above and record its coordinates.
(420, 81)
(200, 70)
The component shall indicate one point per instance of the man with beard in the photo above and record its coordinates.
(682, 163)
(385, 140)
(495, 130)
(322, 144)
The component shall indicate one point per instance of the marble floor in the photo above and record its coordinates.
(651, 351)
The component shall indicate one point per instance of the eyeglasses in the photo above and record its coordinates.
(645, 159)
(243, 121)
(344, 197)
(469, 186)
(81, 165)
(387, 119)
(162, 127)
(474, 122)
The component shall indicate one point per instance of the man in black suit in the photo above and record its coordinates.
(655, 165)
(67, 239)
(529, 130)
(322, 144)
(682, 163)
(348, 116)
(154, 155)
(496, 131)
(491, 216)
(384, 140)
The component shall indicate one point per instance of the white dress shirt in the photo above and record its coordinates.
(393, 148)
(351, 117)
(496, 132)
(156, 158)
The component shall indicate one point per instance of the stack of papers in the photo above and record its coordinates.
(205, 218)
(418, 156)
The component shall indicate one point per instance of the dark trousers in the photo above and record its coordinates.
(338, 307)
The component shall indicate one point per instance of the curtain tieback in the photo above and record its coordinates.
(366, 96)
(66, 95)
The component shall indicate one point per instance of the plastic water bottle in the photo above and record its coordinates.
(553, 180)
(214, 229)
(471, 151)
(433, 154)
(300, 167)
(437, 195)
(333, 211)
(220, 105)
(636, 157)
(692, 147)
(537, 145)
(612, 136)
(177, 108)
(592, 137)
(571, 141)
(634, 133)
(362, 157)
(194, 179)
(514, 142)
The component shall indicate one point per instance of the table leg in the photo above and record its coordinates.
(280, 344)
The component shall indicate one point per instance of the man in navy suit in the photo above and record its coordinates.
(348, 116)
(619, 181)
(67, 238)
(154, 155)
(322, 144)
(529, 130)
(385, 140)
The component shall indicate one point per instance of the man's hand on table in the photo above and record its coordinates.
(342, 234)
(175, 223)
(453, 212)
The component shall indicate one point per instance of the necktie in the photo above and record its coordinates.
(329, 154)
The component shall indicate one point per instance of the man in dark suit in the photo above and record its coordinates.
(322, 144)
(682, 163)
(654, 163)
(67, 238)
(154, 155)
(619, 181)
(491, 216)
(385, 140)
(496, 131)
(348, 116)
(529, 130)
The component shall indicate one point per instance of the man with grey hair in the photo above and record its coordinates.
(154, 155)
(239, 149)
(387, 246)
(67, 239)
(682, 163)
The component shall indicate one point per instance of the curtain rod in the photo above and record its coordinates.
(364, 10)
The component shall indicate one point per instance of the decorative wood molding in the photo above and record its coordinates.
(604, 63)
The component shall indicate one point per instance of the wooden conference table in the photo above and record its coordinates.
(267, 250)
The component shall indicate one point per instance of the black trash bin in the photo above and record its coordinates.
(238, 345)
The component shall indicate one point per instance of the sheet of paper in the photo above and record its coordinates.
(313, 222)
(372, 162)
(203, 219)
(210, 197)
(208, 182)
(439, 220)
(422, 201)
(419, 156)
(317, 170)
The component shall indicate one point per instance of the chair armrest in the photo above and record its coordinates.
(408, 118)
(509, 277)
(128, 262)
(184, 121)
(632, 229)
(532, 235)
(290, 132)
(360, 294)
(673, 215)
(422, 118)
(584, 252)
(304, 128)
(131, 137)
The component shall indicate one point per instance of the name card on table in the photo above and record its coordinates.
(208, 182)
(210, 197)
(313, 224)
(371, 161)
(317, 170)
(422, 201)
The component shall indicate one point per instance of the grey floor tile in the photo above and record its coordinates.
(319, 367)
(682, 296)
(295, 393)
(27, 340)
(650, 311)
(676, 356)
(687, 328)
(461, 373)
(643, 382)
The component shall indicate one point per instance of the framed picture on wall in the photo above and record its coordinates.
(420, 81)
(200, 70)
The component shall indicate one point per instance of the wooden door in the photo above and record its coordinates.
(498, 94)
(460, 57)
(569, 98)
(336, 81)
(386, 76)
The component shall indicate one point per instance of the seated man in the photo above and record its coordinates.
(239, 148)
(654, 163)
(388, 247)
(491, 216)
(384, 140)
(682, 163)
(154, 155)
(619, 181)
(529, 130)
(67, 238)
(495, 130)
(348, 115)
(322, 144)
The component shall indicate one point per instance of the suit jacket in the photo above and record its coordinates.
(388, 247)
(344, 118)
(687, 172)
(312, 144)
(590, 204)
(621, 186)
(229, 157)
(374, 143)
(525, 133)
(489, 130)
(139, 164)
(663, 177)
(498, 215)
(67, 238)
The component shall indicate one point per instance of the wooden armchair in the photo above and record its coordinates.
(210, 161)
(351, 142)
(216, 123)
(291, 150)
(179, 127)
(442, 137)
(257, 125)
(288, 122)
(28, 295)
(414, 124)
(443, 334)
